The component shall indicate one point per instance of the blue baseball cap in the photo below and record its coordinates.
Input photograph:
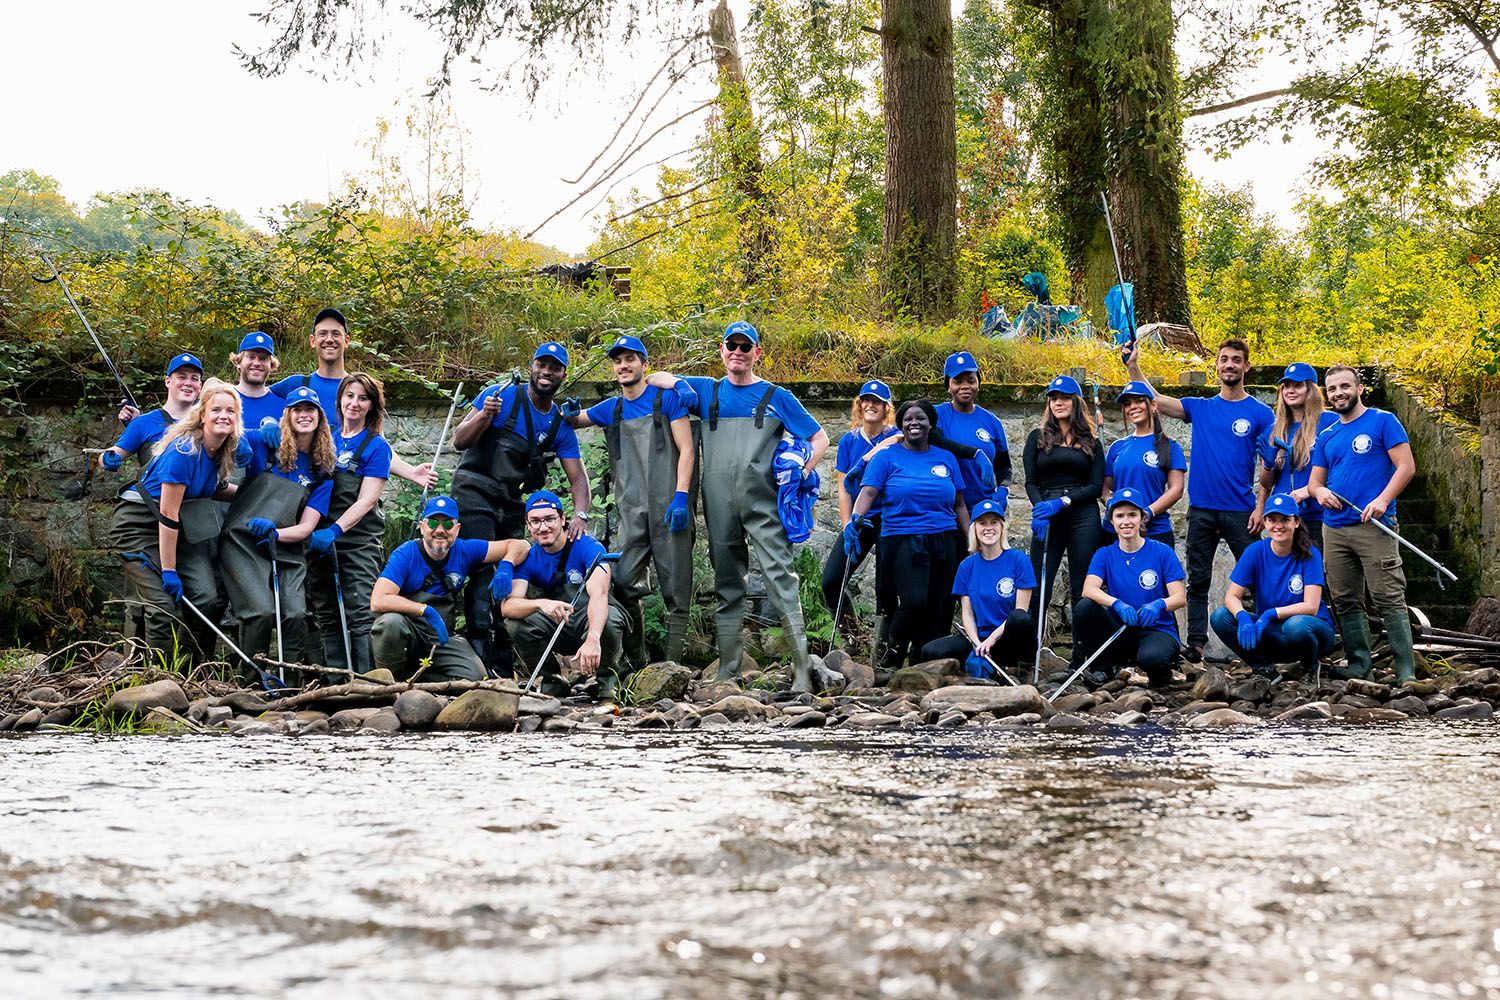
(1136, 389)
(544, 499)
(303, 394)
(1126, 495)
(959, 363)
(1298, 371)
(628, 343)
(1285, 504)
(552, 349)
(440, 506)
(876, 388)
(994, 505)
(1065, 384)
(742, 328)
(258, 341)
(184, 361)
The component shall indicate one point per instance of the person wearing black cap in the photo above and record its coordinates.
(1136, 583)
(1286, 451)
(1222, 504)
(416, 597)
(142, 430)
(1147, 461)
(256, 363)
(654, 466)
(554, 572)
(506, 442)
(1064, 464)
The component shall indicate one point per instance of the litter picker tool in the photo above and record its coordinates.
(601, 558)
(1129, 303)
(839, 605)
(338, 588)
(1041, 617)
(998, 669)
(1442, 570)
(276, 593)
(268, 681)
(457, 395)
(57, 277)
(1086, 664)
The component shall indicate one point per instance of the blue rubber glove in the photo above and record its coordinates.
(1267, 452)
(978, 666)
(986, 471)
(1283, 445)
(263, 528)
(570, 407)
(438, 625)
(320, 543)
(1264, 622)
(1039, 528)
(271, 435)
(679, 516)
(243, 453)
(853, 545)
(1047, 509)
(172, 584)
(686, 393)
(505, 578)
(111, 459)
(1126, 612)
(1247, 634)
(1148, 613)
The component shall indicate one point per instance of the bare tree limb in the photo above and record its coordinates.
(1265, 95)
(666, 197)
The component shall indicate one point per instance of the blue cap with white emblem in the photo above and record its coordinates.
(440, 506)
(1284, 504)
(1129, 497)
(996, 505)
(744, 329)
(1066, 384)
(1135, 389)
(303, 394)
(876, 388)
(544, 499)
(627, 343)
(184, 361)
(258, 341)
(1298, 371)
(552, 349)
(958, 363)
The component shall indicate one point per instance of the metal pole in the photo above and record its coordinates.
(999, 670)
(1397, 536)
(338, 587)
(1086, 664)
(276, 593)
(457, 395)
(266, 679)
(1041, 618)
(603, 557)
(57, 277)
(1109, 224)
(839, 606)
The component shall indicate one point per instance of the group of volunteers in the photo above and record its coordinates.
(258, 502)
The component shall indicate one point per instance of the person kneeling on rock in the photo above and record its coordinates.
(1135, 582)
(416, 598)
(546, 598)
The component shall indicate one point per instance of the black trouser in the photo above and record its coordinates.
(833, 569)
(1075, 530)
(1315, 532)
(1206, 528)
(916, 581)
(483, 628)
(1151, 650)
(1016, 645)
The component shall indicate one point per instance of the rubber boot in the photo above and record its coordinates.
(1355, 626)
(1398, 636)
(731, 645)
(882, 638)
(635, 636)
(677, 630)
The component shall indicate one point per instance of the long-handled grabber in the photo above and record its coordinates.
(457, 395)
(1442, 570)
(1086, 664)
(998, 669)
(276, 594)
(338, 588)
(838, 610)
(1109, 224)
(600, 559)
(268, 681)
(98, 344)
(1041, 617)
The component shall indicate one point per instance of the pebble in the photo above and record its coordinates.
(806, 720)
(1221, 718)
(873, 720)
(417, 709)
(1358, 715)
(384, 721)
(714, 720)
(1065, 721)
(1313, 711)
(1132, 718)
(1409, 705)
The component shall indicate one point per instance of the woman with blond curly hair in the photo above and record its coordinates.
(287, 489)
(166, 522)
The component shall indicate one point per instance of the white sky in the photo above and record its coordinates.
(109, 96)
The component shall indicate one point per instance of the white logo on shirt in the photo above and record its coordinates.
(1362, 444)
(1295, 583)
(941, 471)
(541, 437)
(1005, 587)
(1150, 459)
(1241, 427)
(982, 434)
(304, 480)
(345, 457)
(575, 576)
(268, 422)
(1148, 579)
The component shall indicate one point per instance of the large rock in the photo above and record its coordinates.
(382, 722)
(1409, 705)
(1373, 690)
(737, 708)
(541, 705)
(1485, 619)
(144, 697)
(872, 720)
(1474, 710)
(1221, 718)
(417, 709)
(44, 695)
(1313, 711)
(971, 699)
(1212, 686)
(483, 711)
(660, 680)
(349, 719)
(1374, 715)
(1253, 689)
(1133, 701)
(709, 693)
(915, 679)
(710, 673)
(245, 702)
(825, 679)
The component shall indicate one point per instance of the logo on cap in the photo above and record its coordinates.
(1362, 444)
(621, 342)
(1241, 427)
(1148, 579)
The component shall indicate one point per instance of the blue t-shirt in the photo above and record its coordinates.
(917, 489)
(1139, 577)
(1288, 478)
(1224, 455)
(991, 586)
(1277, 581)
(256, 412)
(1132, 463)
(739, 402)
(854, 446)
(374, 461)
(326, 388)
(981, 429)
(186, 463)
(565, 445)
(1356, 455)
(408, 569)
(146, 429)
(672, 408)
(540, 565)
(263, 459)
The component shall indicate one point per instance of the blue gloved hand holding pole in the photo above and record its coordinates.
(1047, 509)
(111, 459)
(172, 584)
(853, 544)
(320, 542)
(1127, 614)
(679, 516)
(262, 528)
(438, 625)
(1148, 613)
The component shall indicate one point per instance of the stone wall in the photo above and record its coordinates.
(1488, 539)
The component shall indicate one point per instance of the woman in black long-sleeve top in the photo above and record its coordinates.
(1064, 462)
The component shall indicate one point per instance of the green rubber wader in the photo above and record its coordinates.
(399, 643)
(739, 507)
(134, 528)
(643, 459)
(359, 564)
(246, 565)
(532, 633)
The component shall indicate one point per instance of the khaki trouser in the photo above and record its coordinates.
(1360, 557)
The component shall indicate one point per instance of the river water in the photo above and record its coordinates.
(1264, 864)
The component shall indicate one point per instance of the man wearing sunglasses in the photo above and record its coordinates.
(506, 442)
(546, 594)
(416, 598)
(742, 419)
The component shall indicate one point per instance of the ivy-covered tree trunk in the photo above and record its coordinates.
(744, 166)
(920, 156)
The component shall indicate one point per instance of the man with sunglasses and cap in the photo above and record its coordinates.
(415, 600)
(142, 430)
(563, 583)
(653, 464)
(742, 419)
(256, 363)
(505, 443)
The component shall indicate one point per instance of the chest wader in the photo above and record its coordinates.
(643, 460)
(246, 565)
(134, 534)
(739, 506)
(359, 563)
(135, 614)
(489, 486)
(533, 632)
(399, 643)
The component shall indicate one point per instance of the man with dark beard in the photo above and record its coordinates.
(1222, 505)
